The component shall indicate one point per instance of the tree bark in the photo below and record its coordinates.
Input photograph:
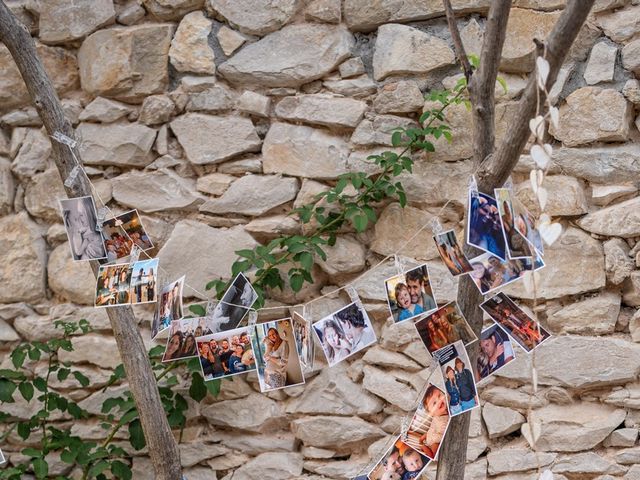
(495, 166)
(142, 383)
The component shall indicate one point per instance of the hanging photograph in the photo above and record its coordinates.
(490, 273)
(181, 343)
(80, 221)
(515, 321)
(459, 382)
(443, 327)
(484, 229)
(113, 285)
(169, 307)
(410, 295)
(496, 351)
(276, 355)
(226, 353)
(451, 253)
(429, 424)
(144, 279)
(121, 232)
(234, 305)
(398, 463)
(344, 333)
(2, 459)
(518, 225)
(305, 345)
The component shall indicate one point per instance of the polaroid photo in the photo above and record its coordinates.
(234, 304)
(518, 225)
(305, 345)
(490, 273)
(113, 285)
(399, 462)
(410, 295)
(444, 327)
(344, 333)
(451, 253)
(121, 232)
(484, 229)
(515, 321)
(496, 350)
(144, 280)
(169, 307)
(276, 355)
(181, 343)
(225, 354)
(81, 223)
(2, 459)
(429, 424)
(459, 382)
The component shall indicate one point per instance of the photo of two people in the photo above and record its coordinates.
(496, 351)
(484, 229)
(400, 462)
(429, 424)
(518, 225)
(451, 253)
(169, 307)
(410, 295)
(183, 333)
(490, 273)
(444, 327)
(459, 382)
(226, 354)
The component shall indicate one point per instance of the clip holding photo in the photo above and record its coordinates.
(73, 176)
(64, 139)
(473, 186)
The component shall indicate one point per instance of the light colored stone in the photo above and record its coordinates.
(131, 12)
(271, 466)
(601, 64)
(156, 109)
(256, 17)
(620, 25)
(595, 315)
(255, 444)
(631, 290)
(99, 350)
(197, 452)
(254, 103)
(621, 219)
(7, 187)
(436, 183)
(618, 261)
(171, 9)
(402, 50)
(574, 264)
(41, 196)
(325, 431)
(33, 156)
(155, 191)
(391, 386)
(80, 19)
(586, 463)
(628, 456)
(214, 99)
(111, 66)
(507, 460)
(566, 196)
(377, 355)
(304, 152)
(127, 145)
(190, 50)
(561, 80)
(322, 109)
(26, 117)
(248, 413)
(356, 87)
(328, 11)
(7, 333)
(603, 195)
(519, 51)
(501, 421)
(347, 256)
(399, 97)
(104, 110)
(229, 40)
(631, 91)
(472, 36)
(177, 259)
(290, 57)
(273, 226)
(378, 131)
(214, 183)
(623, 437)
(632, 474)
(250, 164)
(634, 327)
(72, 281)
(351, 68)
(253, 195)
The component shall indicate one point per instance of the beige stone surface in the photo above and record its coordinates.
(322, 109)
(592, 316)
(104, 110)
(127, 145)
(71, 281)
(620, 25)
(566, 196)
(324, 431)
(190, 50)
(62, 21)
(171, 9)
(500, 421)
(621, 219)
(256, 17)
(601, 64)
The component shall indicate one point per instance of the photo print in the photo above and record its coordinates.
(169, 307)
(429, 423)
(276, 355)
(113, 285)
(2, 459)
(518, 225)
(515, 321)
(496, 351)
(81, 223)
(484, 229)
(410, 295)
(305, 345)
(444, 327)
(225, 354)
(144, 279)
(344, 333)
(400, 462)
(451, 253)
(459, 383)
(234, 305)
(121, 232)
(490, 273)
(181, 343)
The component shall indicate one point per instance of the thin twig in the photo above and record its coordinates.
(457, 40)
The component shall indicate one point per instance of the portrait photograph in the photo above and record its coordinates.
(113, 285)
(181, 342)
(144, 281)
(234, 304)
(81, 223)
(490, 273)
(429, 424)
(304, 340)
(451, 253)
(444, 327)
(496, 351)
(344, 333)
(276, 355)
(169, 307)
(518, 225)
(226, 353)
(484, 229)
(121, 232)
(398, 463)
(410, 295)
(459, 382)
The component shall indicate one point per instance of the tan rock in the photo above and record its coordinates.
(249, 413)
(351, 68)
(111, 66)
(249, 164)
(623, 437)
(631, 290)
(501, 421)
(214, 99)
(126, 144)
(402, 50)
(356, 87)
(390, 385)
(508, 460)
(377, 355)
(156, 109)
(328, 11)
(99, 350)
(271, 466)
(631, 91)
(229, 40)
(80, 19)
(322, 109)
(325, 431)
(472, 36)
(256, 17)
(103, 110)
(601, 64)
(214, 183)
(593, 316)
(399, 97)
(346, 256)
(435, 183)
(585, 464)
(254, 104)
(378, 130)
(603, 195)
(621, 219)
(190, 50)
(72, 281)
(566, 196)
(620, 25)
(273, 226)
(631, 56)
(171, 9)
(618, 260)
(33, 155)
(7, 187)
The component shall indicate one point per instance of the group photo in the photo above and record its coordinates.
(496, 351)
(121, 232)
(410, 294)
(484, 229)
(276, 355)
(344, 333)
(226, 354)
(169, 307)
(400, 462)
(144, 279)
(490, 273)
(429, 423)
(304, 340)
(113, 286)
(451, 253)
(234, 305)
(81, 224)
(459, 382)
(443, 327)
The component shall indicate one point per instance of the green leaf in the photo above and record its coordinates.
(26, 390)
(424, 116)
(24, 430)
(18, 356)
(502, 83)
(40, 384)
(198, 310)
(63, 373)
(213, 386)
(40, 468)
(6, 391)
(34, 354)
(396, 138)
(474, 60)
(360, 222)
(12, 375)
(136, 436)
(342, 183)
(245, 253)
(82, 380)
(31, 452)
(197, 390)
(98, 468)
(306, 260)
(121, 470)
(240, 266)
(296, 281)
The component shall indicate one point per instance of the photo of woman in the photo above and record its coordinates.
(80, 221)
(443, 327)
(451, 253)
(221, 357)
(277, 358)
(518, 225)
(304, 341)
(462, 394)
(410, 295)
(181, 343)
(169, 307)
(495, 352)
(490, 273)
(234, 305)
(484, 229)
(429, 423)
(113, 285)
(143, 281)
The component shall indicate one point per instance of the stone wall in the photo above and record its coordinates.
(214, 118)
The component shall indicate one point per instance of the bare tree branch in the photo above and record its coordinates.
(142, 383)
(457, 41)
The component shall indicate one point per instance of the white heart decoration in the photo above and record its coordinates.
(537, 126)
(541, 155)
(546, 475)
(554, 113)
(550, 232)
(542, 72)
(536, 177)
(543, 196)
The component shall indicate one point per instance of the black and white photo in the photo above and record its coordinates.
(81, 223)
(234, 305)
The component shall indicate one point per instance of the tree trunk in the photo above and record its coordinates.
(142, 383)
